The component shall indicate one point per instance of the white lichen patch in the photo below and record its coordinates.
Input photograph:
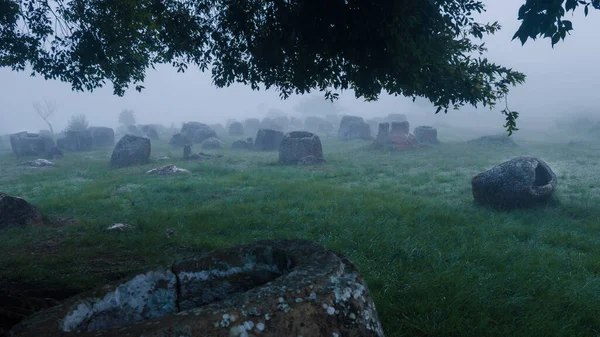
(241, 330)
(226, 320)
(146, 296)
(283, 306)
(253, 311)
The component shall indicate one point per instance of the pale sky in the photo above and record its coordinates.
(561, 81)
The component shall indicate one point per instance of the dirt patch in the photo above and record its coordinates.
(20, 299)
(58, 221)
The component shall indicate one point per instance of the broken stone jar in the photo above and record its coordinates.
(267, 288)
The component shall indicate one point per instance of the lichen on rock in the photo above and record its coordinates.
(267, 288)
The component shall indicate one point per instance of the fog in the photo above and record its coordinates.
(560, 82)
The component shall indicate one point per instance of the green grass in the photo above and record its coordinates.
(436, 263)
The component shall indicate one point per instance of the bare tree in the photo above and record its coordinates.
(46, 111)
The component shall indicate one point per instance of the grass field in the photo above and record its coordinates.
(436, 264)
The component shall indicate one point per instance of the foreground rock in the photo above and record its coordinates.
(352, 127)
(16, 212)
(268, 140)
(167, 170)
(37, 163)
(519, 182)
(297, 145)
(268, 288)
(30, 144)
(131, 150)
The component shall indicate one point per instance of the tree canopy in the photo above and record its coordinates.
(414, 48)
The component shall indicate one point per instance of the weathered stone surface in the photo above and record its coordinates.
(297, 145)
(150, 132)
(318, 124)
(102, 136)
(383, 135)
(251, 125)
(399, 128)
(352, 127)
(76, 141)
(519, 182)
(426, 135)
(236, 129)
(179, 139)
(310, 160)
(282, 121)
(268, 140)
(242, 145)
(167, 170)
(37, 163)
(396, 118)
(131, 150)
(494, 140)
(30, 144)
(54, 152)
(270, 123)
(16, 212)
(187, 151)
(267, 288)
(197, 132)
(333, 119)
(296, 124)
(212, 143)
(133, 130)
(45, 133)
(394, 139)
(219, 128)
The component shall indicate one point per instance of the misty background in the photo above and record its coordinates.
(561, 83)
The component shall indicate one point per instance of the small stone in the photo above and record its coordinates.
(352, 316)
(281, 300)
(267, 317)
(298, 300)
(260, 327)
(120, 227)
(330, 310)
(248, 325)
